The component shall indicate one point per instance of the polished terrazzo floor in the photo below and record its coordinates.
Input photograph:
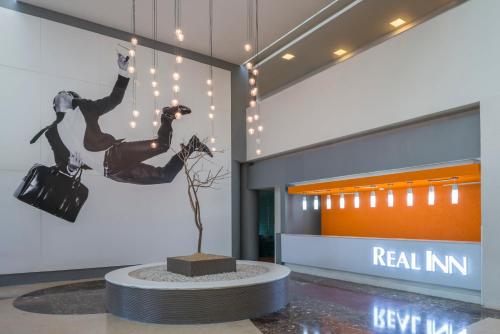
(317, 305)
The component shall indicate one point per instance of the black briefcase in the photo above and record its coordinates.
(50, 190)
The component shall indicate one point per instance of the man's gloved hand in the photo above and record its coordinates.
(74, 164)
(62, 102)
(122, 62)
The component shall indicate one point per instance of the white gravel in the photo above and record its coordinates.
(161, 274)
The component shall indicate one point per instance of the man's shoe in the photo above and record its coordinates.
(195, 145)
(169, 112)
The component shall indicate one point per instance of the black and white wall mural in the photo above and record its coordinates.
(78, 144)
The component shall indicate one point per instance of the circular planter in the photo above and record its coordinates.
(196, 302)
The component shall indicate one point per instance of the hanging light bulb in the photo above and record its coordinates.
(212, 140)
(209, 82)
(210, 115)
(157, 111)
(258, 151)
(454, 194)
(155, 123)
(156, 93)
(390, 198)
(328, 202)
(176, 88)
(134, 41)
(178, 115)
(136, 113)
(175, 102)
(154, 145)
(210, 93)
(152, 70)
(132, 124)
(176, 76)
(212, 107)
(131, 69)
(253, 91)
(356, 200)
(409, 197)
(316, 203)
(431, 196)
(260, 128)
(248, 47)
(253, 103)
(256, 117)
(154, 84)
(304, 203)
(251, 81)
(180, 37)
(251, 131)
(249, 65)
(179, 59)
(255, 72)
(342, 201)
(249, 119)
(131, 53)
(178, 31)
(214, 149)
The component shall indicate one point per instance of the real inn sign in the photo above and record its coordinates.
(427, 261)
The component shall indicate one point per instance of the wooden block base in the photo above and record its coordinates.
(200, 264)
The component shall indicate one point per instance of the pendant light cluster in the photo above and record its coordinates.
(154, 70)
(132, 70)
(410, 198)
(210, 80)
(255, 126)
(178, 57)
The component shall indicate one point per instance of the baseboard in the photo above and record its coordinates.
(53, 276)
(470, 296)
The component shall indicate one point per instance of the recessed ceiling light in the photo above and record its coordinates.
(398, 22)
(288, 56)
(340, 52)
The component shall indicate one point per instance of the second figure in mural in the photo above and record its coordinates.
(77, 140)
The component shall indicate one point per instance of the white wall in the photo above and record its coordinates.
(447, 62)
(120, 223)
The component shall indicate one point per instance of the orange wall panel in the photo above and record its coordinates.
(443, 221)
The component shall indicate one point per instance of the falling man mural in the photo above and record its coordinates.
(78, 144)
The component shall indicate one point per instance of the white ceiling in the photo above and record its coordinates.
(276, 17)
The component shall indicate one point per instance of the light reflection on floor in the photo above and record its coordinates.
(322, 306)
(405, 321)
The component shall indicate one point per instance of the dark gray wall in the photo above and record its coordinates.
(443, 137)
(299, 221)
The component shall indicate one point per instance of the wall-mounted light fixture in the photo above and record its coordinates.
(431, 197)
(356, 200)
(342, 201)
(390, 198)
(454, 194)
(409, 197)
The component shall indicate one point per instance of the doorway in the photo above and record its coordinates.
(266, 225)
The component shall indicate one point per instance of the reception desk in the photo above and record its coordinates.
(451, 264)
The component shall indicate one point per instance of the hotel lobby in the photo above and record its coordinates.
(250, 166)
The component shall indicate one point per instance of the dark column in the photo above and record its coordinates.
(239, 100)
(249, 219)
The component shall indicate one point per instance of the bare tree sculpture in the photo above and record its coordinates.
(197, 178)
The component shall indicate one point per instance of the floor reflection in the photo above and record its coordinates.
(320, 305)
